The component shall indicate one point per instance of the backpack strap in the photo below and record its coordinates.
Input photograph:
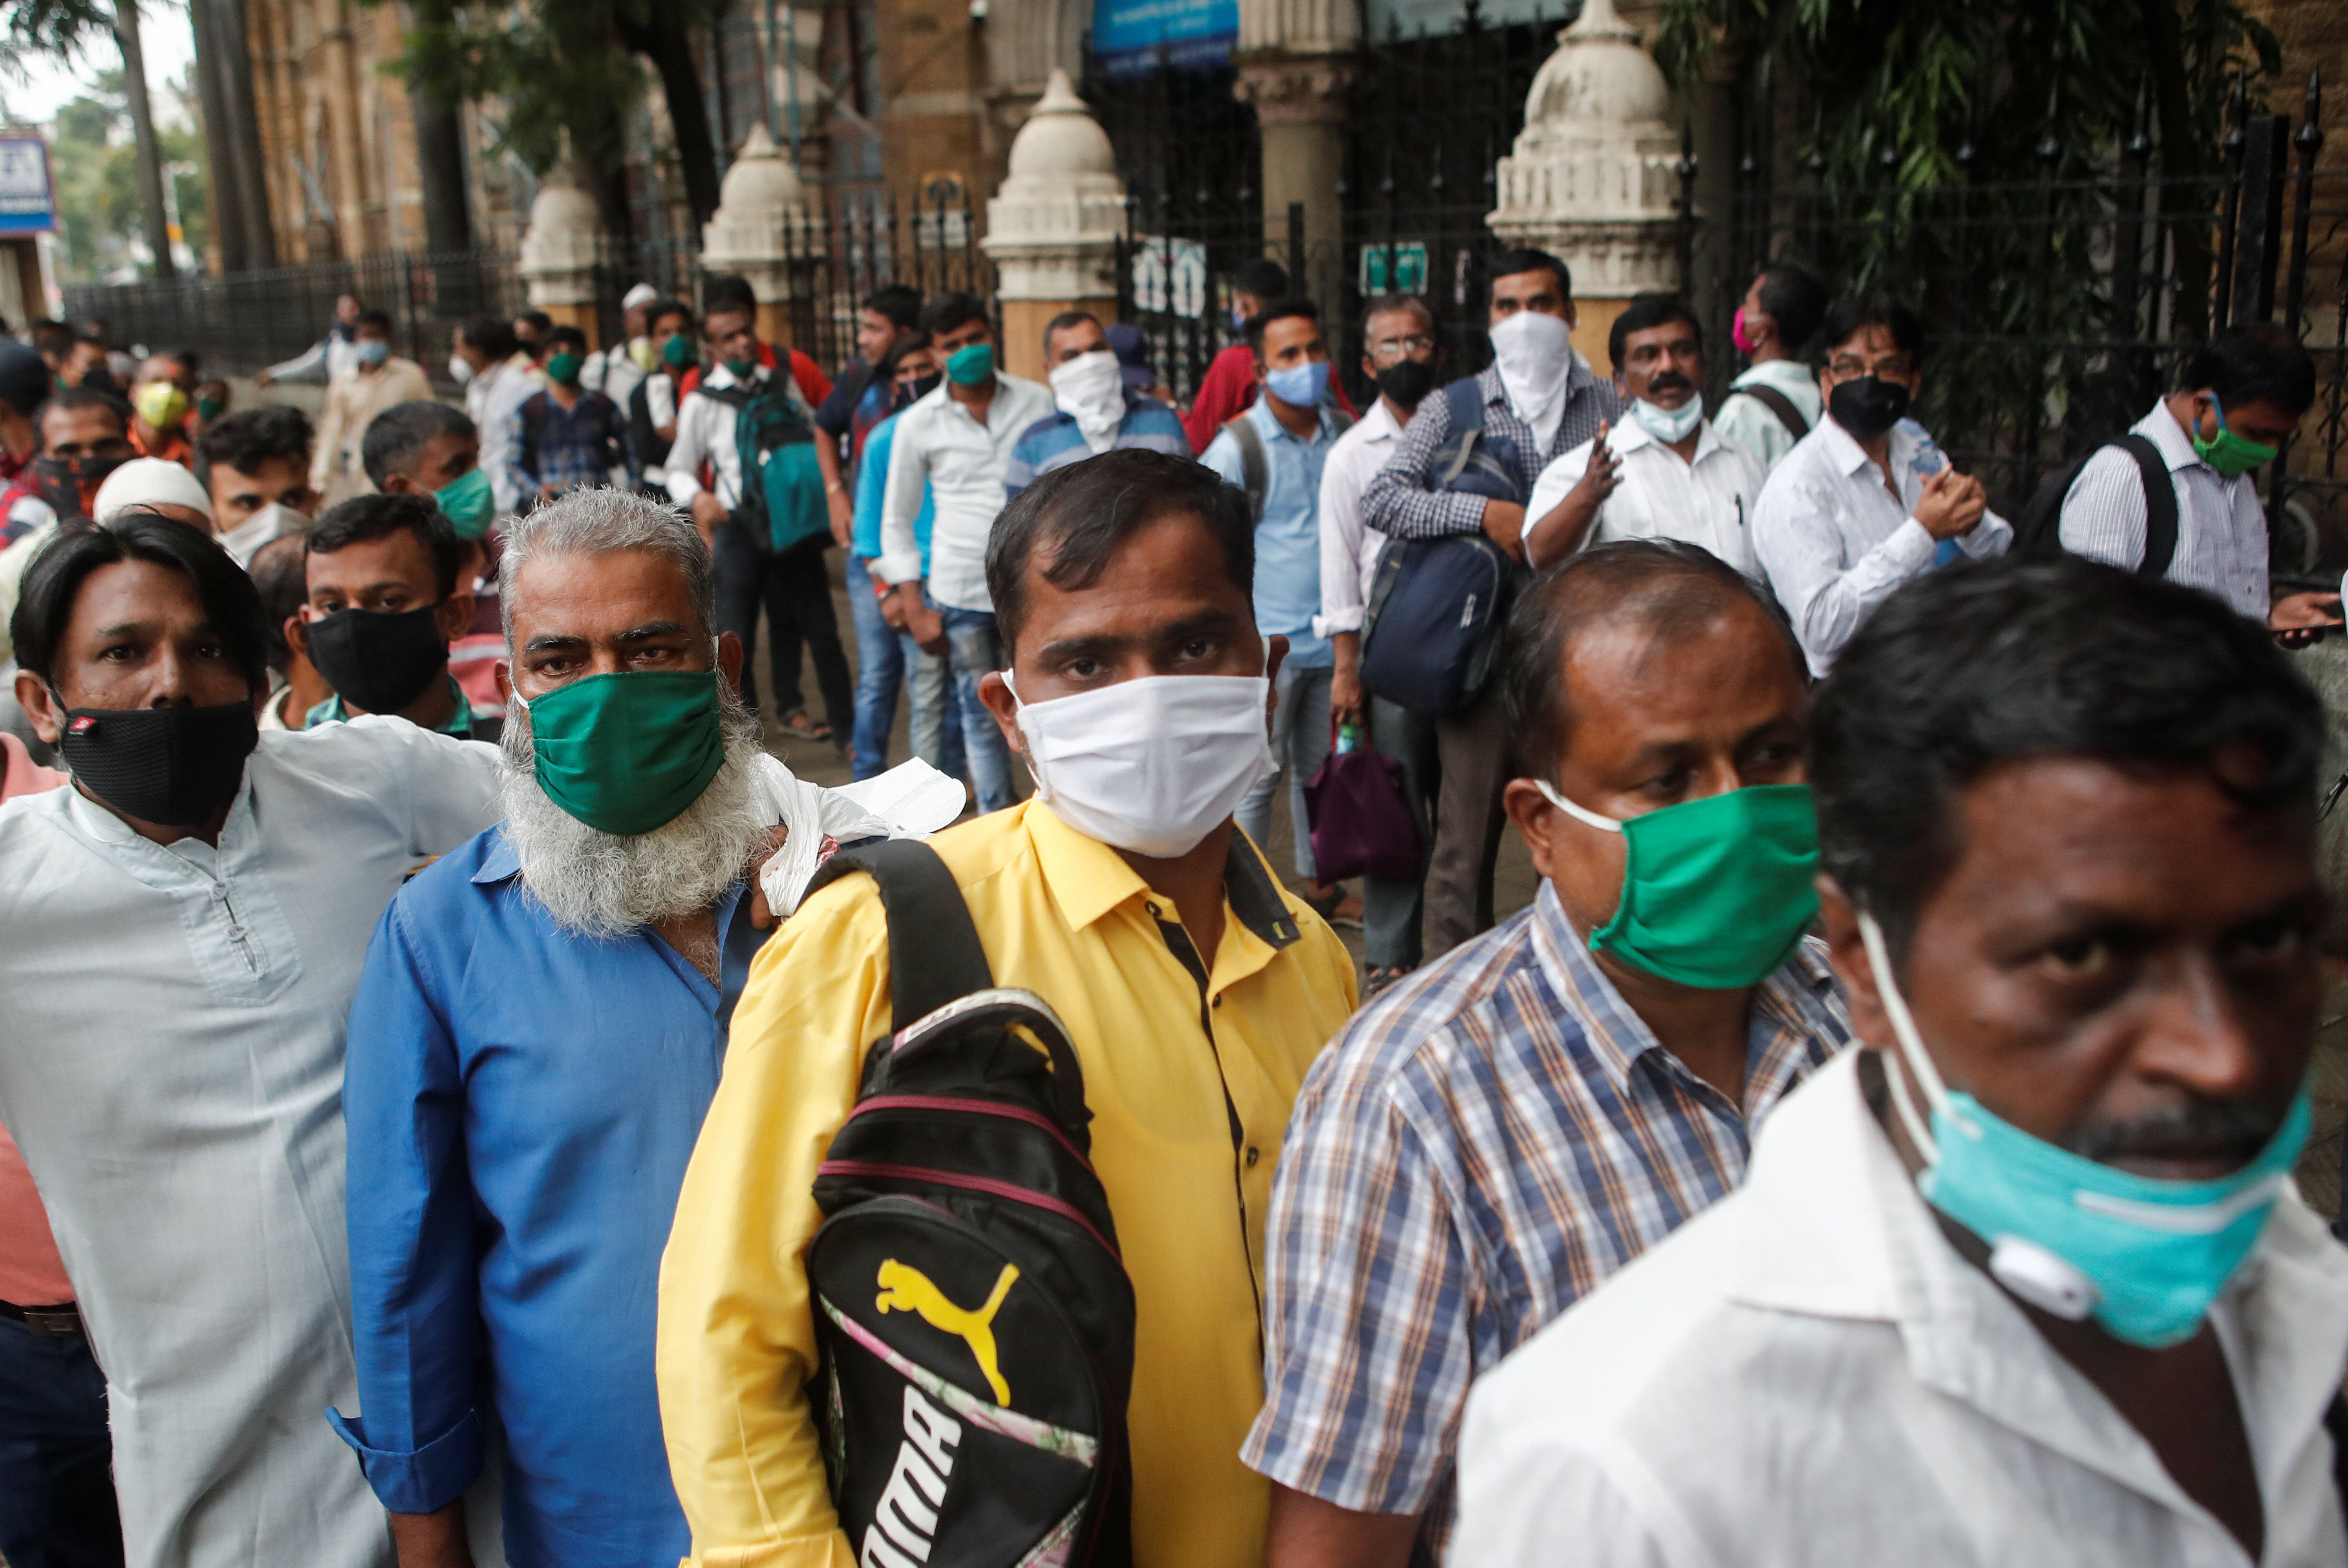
(934, 956)
(1464, 401)
(2159, 505)
(1253, 468)
(1777, 403)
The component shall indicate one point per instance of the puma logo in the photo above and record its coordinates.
(904, 1288)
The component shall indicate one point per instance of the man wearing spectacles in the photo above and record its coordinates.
(1866, 502)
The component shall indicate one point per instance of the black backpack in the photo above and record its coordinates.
(1431, 629)
(2038, 531)
(974, 1315)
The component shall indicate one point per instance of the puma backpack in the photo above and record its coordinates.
(974, 1316)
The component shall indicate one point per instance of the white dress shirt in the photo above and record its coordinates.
(1706, 500)
(939, 441)
(172, 1030)
(1349, 548)
(705, 430)
(1809, 1374)
(1754, 424)
(2221, 530)
(1835, 543)
(490, 398)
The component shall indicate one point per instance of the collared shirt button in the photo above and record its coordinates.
(1218, 1001)
(1152, 908)
(1253, 1154)
(219, 890)
(236, 933)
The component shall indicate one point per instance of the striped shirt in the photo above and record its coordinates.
(1483, 1146)
(1402, 500)
(1054, 440)
(2221, 530)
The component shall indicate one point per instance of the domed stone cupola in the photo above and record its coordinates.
(760, 224)
(1052, 228)
(557, 260)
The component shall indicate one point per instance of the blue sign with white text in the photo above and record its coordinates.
(28, 202)
(1133, 37)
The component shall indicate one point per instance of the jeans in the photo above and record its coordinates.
(973, 648)
(56, 1481)
(795, 590)
(1391, 907)
(886, 660)
(1300, 744)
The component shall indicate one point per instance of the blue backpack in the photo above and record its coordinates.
(1431, 630)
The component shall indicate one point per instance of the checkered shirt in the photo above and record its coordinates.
(1401, 499)
(1483, 1146)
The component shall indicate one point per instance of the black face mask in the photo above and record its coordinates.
(171, 766)
(71, 484)
(923, 386)
(379, 661)
(1867, 405)
(1408, 382)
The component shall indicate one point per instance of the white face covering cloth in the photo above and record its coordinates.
(1090, 390)
(1533, 352)
(274, 521)
(1149, 766)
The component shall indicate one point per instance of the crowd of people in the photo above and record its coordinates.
(431, 1019)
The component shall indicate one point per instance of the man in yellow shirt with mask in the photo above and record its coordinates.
(1195, 990)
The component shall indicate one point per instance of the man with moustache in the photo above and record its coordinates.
(535, 1041)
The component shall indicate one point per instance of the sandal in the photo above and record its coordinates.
(799, 726)
(1333, 907)
(1376, 980)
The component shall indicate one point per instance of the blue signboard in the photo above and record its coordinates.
(28, 202)
(1132, 37)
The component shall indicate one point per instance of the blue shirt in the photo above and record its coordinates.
(1288, 535)
(521, 1102)
(871, 484)
(1056, 440)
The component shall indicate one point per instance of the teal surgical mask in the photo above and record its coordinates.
(1715, 891)
(971, 365)
(2074, 1237)
(2230, 454)
(468, 502)
(626, 754)
(1668, 425)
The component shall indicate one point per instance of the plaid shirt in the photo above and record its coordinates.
(1483, 1146)
(1401, 500)
(576, 445)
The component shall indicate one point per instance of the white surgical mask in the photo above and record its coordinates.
(1668, 425)
(1152, 765)
(272, 522)
(460, 369)
(1090, 390)
(1532, 350)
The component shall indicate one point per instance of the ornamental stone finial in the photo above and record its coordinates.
(1053, 227)
(756, 230)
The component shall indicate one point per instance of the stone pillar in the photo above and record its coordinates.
(1595, 173)
(1296, 63)
(559, 252)
(759, 230)
(1052, 228)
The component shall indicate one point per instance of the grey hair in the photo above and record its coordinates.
(598, 522)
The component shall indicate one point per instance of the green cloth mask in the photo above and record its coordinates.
(628, 753)
(742, 369)
(677, 352)
(971, 365)
(468, 502)
(208, 408)
(2232, 456)
(564, 368)
(1715, 891)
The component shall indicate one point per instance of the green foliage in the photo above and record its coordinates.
(556, 67)
(56, 28)
(95, 167)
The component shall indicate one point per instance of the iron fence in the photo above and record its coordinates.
(850, 239)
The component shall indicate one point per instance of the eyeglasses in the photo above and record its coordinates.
(1894, 367)
(1416, 343)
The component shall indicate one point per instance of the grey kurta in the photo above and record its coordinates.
(172, 1030)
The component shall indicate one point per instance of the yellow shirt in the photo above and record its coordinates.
(1064, 916)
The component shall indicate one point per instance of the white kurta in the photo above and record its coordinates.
(171, 1034)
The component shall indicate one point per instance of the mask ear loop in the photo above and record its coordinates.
(1911, 1044)
(1579, 813)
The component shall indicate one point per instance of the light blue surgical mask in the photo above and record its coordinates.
(2144, 1257)
(1299, 386)
(1668, 425)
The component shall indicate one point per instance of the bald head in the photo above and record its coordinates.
(1617, 612)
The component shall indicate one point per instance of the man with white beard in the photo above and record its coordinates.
(537, 1035)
